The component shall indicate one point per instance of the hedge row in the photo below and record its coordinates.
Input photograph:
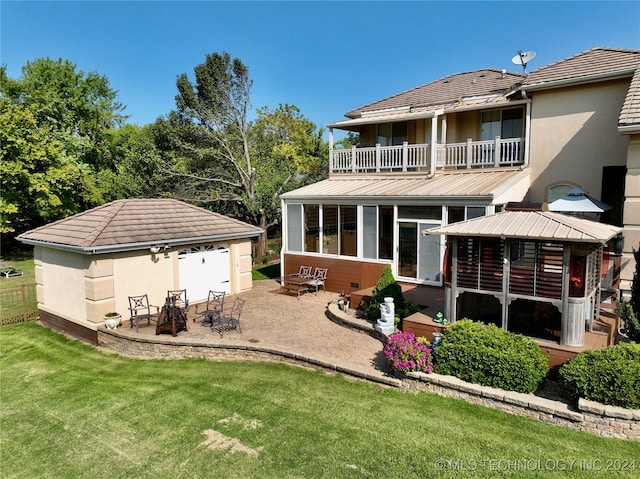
(608, 376)
(490, 356)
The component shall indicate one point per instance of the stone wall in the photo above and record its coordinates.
(590, 416)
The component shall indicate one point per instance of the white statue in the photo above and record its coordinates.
(386, 323)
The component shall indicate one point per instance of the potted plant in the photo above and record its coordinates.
(112, 320)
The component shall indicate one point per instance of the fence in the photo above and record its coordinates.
(265, 251)
(18, 305)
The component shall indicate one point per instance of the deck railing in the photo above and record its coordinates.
(410, 157)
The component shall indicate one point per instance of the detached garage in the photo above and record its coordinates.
(90, 263)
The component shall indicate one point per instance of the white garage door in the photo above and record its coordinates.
(203, 269)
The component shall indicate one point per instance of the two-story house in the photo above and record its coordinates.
(462, 147)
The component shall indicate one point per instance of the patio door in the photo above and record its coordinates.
(419, 257)
(203, 269)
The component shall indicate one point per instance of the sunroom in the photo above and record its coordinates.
(356, 224)
(531, 272)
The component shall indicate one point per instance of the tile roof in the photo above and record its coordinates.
(540, 225)
(447, 90)
(485, 184)
(586, 65)
(630, 113)
(137, 223)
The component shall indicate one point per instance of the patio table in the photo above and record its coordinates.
(295, 284)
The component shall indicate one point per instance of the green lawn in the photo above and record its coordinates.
(68, 410)
(268, 271)
(26, 264)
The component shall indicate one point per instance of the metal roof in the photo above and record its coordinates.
(462, 184)
(126, 225)
(533, 225)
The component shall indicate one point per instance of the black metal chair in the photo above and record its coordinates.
(231, 321)
(140, 309)
(212, 308)
(178, 298)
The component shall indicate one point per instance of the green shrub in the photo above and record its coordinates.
(387, 286)
(490, 356)
(609, 376)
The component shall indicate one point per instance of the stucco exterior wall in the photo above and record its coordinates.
(140, 272)
(631, 214)
(82, 288)
(573, 135)
(60, 278)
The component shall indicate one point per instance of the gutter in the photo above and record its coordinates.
(629, 129)
(120, 248)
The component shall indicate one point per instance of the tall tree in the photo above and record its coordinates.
(237, 166)
(38, 180)
(56, 131)
(78, 108)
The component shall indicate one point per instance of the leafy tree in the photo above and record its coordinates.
(236, 166)
(78, 108)
(39, 181)
(352, 139)
(138, 170)
(55, 139)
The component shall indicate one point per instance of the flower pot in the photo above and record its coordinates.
(112, 320)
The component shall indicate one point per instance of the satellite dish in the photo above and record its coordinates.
(522, 58)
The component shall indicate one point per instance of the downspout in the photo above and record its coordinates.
(527, 131)
(330, 150)
(434, 142)
(282, 235)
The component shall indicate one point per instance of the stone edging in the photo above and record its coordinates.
(590, 417)
(159, 349)
(593, 417)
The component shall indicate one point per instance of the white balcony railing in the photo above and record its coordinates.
(470, 154)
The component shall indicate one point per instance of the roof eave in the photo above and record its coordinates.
(120, 248)
(525, 237)
(629, 129)
(579, 80)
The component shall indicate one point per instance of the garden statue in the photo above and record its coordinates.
(386, 322)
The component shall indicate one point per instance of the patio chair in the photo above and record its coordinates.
(231, 321)
(178, 298)
(9, 271)
(212, 308)
(140, 310)
(303, 272)
(319, 277)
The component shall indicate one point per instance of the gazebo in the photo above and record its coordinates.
(536, 273)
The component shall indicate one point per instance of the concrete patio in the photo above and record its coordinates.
(275, 326)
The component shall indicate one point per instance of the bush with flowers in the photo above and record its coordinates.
(405, 352)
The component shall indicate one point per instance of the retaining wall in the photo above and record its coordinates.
(590, 416)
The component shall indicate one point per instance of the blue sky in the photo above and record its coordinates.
(324, 57)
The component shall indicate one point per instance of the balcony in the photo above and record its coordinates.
(409, 157)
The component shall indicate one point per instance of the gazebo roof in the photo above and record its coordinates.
(532, 225)
(134, 224)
